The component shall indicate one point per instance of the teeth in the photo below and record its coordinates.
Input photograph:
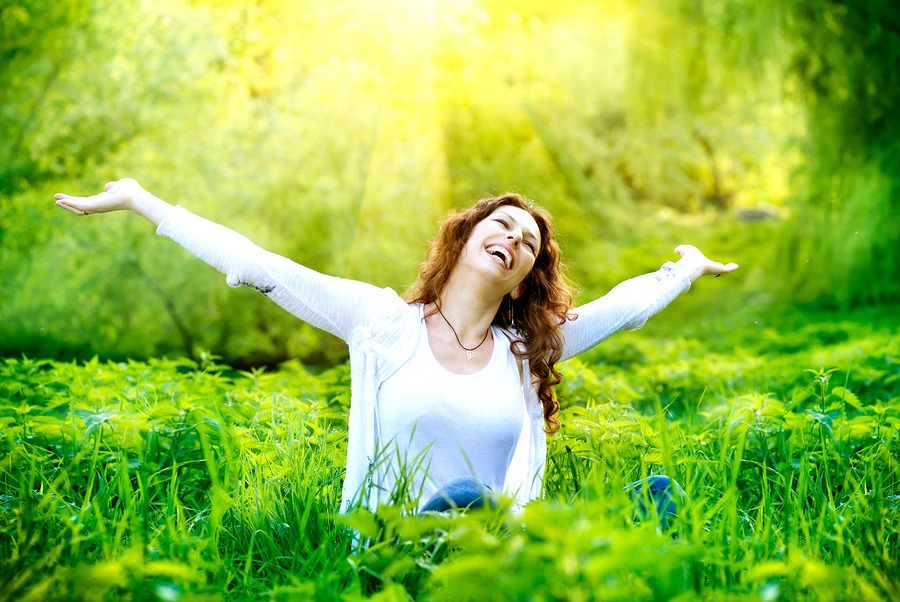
(501, 253)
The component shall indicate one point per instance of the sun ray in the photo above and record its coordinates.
(407, 187)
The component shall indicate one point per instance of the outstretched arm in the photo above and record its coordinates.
(630, 304)
(336, 305)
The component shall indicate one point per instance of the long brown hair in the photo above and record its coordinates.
(537, 313)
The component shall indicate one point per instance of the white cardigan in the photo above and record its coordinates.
(380, 329)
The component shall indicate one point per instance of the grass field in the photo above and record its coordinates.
(182, 480)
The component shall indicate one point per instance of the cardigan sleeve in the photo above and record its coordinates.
(336, 305)
(626, 307)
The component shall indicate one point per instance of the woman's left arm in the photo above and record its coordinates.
(630, 304)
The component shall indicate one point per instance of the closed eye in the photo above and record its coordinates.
(531, 246)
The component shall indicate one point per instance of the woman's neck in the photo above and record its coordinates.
(468, 310)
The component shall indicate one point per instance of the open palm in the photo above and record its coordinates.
(116, 196)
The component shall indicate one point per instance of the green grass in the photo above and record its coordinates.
(178, 480)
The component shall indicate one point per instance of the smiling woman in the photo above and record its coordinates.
(452, 387)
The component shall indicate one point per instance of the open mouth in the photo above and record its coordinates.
(502, 253)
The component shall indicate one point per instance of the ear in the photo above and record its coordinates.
(517, 292)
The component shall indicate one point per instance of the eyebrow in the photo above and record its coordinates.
(526, 233)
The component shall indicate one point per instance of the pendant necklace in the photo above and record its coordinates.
(470, 353)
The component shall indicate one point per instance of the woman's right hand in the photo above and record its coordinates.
(116, 196)
(124, 194)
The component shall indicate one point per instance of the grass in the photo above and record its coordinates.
(181, 480)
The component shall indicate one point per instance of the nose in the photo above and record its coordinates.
(515, 236)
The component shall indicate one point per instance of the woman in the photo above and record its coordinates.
(452, 388)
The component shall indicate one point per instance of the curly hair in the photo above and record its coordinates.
(537, 313)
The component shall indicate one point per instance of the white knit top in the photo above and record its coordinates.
(382, 332)
(435, 425)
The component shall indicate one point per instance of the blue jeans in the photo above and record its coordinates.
(461, 492)
(659, 492)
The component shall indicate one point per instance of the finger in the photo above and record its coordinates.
(71, 199)
(70, 207)
(74, 204)
(683, 250)
(719, 269)
(109, 185)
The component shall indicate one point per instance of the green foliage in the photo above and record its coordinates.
(638, 124)
(34, 47)
(344, 157)
(843, 240)
(142, 482)
(183, 479)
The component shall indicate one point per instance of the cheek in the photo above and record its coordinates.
(527, 269)
(536, 265)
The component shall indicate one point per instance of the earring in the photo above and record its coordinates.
(512, 315)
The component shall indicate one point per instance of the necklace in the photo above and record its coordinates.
(470, 353)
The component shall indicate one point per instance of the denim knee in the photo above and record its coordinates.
(660, 492)
(461, 492)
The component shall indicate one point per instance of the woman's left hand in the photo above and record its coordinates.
(699, 265)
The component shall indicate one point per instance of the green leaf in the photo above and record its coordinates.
(847, 396)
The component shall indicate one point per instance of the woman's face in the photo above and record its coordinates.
(504, 245)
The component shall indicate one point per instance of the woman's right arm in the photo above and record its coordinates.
(335, 305)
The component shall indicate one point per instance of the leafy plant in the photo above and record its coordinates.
(180, 479)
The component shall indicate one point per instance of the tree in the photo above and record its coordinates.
(841, 245)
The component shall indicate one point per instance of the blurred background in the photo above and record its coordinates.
(340, 133)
